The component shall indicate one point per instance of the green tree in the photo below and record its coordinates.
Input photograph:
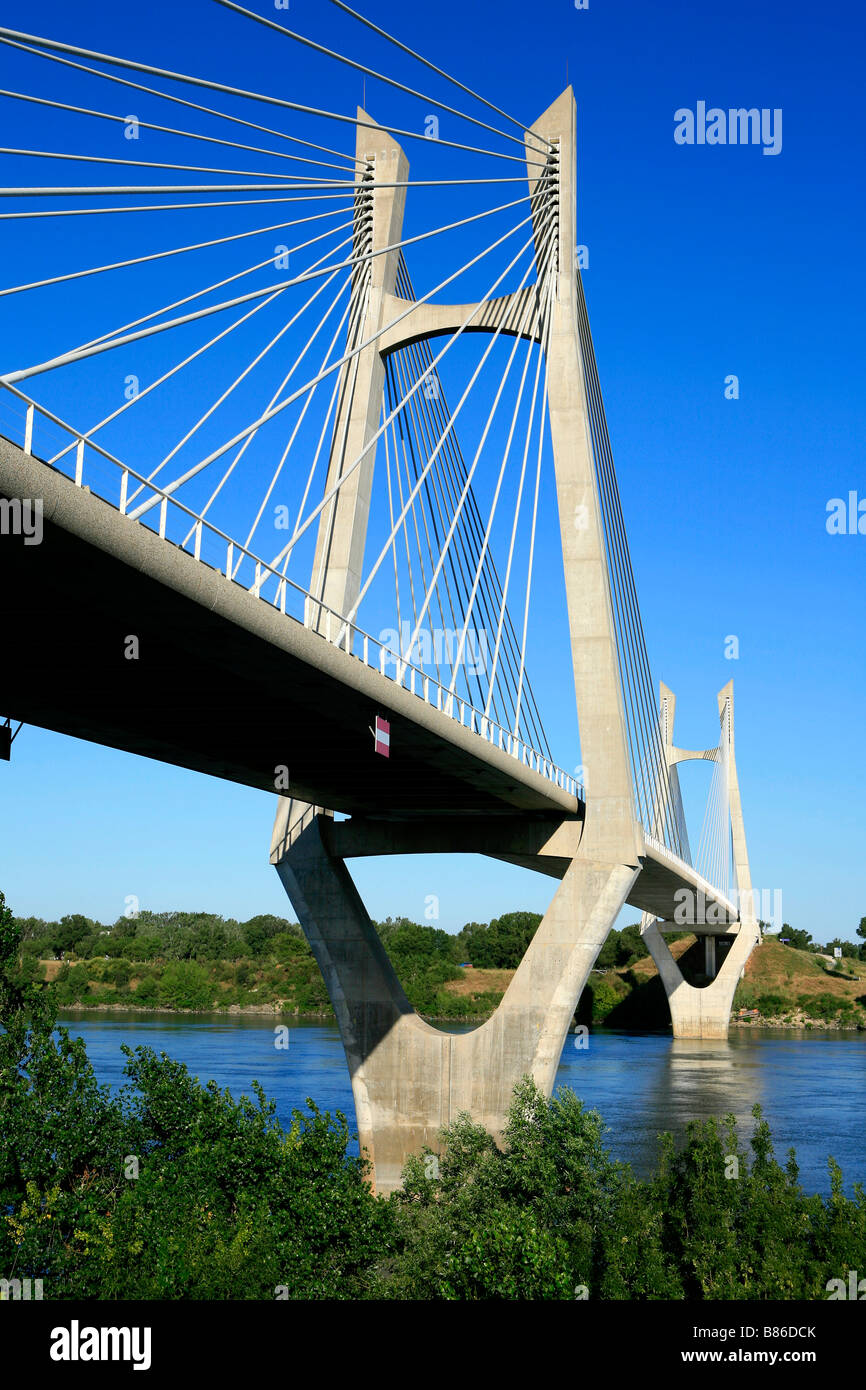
(608, 956)
(35, 929)
(141, 948)
(849, 949)
(208, 941)
(424, 959)
(224, 1203)
(286, 947)
(10, 934)
(551, 1191)
(89, 946)
(71, 929)
(32, 970)
(798, 939)
(470, 943)
(501, 944)
(621, 948)
(631, 945)
(118, 972)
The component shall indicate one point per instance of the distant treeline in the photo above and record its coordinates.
(158, 935)
(498, 945)
(200, 960)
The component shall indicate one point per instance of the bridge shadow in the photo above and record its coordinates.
(645, 1008)
(692, 962)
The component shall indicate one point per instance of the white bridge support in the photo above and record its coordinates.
(342, 532)
(408, 1078)
(705, 1012)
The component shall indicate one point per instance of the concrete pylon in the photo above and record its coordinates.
(408, 1078)
(614, 831)
(378, 222)
(342, 534)
(706, 1012)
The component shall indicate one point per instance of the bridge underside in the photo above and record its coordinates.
(655, 891)
(546, 844)
(223, 683)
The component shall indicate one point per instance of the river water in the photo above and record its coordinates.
(812, 1086)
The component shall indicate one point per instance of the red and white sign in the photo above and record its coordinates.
(382, 734)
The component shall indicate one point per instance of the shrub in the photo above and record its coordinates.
(226, 1204)
(74, 984)
(772, 1005)
(185, 985)
(605, 997)
(146, 991)
(828, 1007)
(117, 972)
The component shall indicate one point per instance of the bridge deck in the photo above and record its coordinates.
(227, 685)
(224, 683)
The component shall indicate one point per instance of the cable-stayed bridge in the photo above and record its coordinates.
(335, 512)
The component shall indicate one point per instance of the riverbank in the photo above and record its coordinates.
(796, 1022)
(781, 988)
(229, 1011)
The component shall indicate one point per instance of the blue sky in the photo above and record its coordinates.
(703, 262)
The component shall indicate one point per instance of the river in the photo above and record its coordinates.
(812, 1086)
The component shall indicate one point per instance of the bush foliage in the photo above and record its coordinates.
(172, 1189)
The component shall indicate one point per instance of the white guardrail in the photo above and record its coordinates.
(702, 884)
(206, 543)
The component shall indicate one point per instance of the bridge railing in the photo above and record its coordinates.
(702, 885)
(96, 470)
